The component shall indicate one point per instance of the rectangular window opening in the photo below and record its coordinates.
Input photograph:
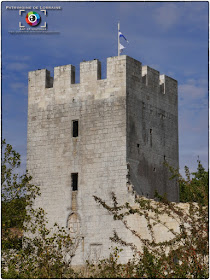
(74, 181)
(75, 128)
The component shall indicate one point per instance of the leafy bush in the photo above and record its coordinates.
(185, 255)
(47, 253)
(195, 189)
(39, 252)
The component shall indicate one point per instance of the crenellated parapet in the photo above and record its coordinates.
(64, 76)
(90, 71)
(40, 79)
(122, 72)
(150, 77)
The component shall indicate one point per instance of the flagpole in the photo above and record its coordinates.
(118, 38)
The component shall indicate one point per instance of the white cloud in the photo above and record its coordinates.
(193, 123)
(170, 14)
(193, 92)
(16, 66)
(17, 57)
(18, 85)
(167, 15)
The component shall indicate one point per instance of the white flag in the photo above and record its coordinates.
(121, 35)
(121, 48)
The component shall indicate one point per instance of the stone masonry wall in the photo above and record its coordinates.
(152, 131)
(100, 153)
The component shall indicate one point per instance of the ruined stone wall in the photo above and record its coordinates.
(100, 156)
(164, 227)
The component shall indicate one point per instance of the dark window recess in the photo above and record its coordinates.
(137, 145)
(74, 181)
(75, 130)
(150, 137)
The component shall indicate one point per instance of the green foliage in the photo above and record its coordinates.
(195, 189)
(16, 194)
(40, 252)
(185, 255)
(47, 253)
(106, 268)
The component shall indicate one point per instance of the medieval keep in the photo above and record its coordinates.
(96, 137)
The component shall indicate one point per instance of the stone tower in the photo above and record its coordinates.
(97, 137)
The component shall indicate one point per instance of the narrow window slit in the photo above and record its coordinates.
(75, 129)
(74, 181)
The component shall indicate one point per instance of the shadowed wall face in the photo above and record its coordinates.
(152, 131)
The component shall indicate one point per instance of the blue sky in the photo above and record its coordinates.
(171, 37)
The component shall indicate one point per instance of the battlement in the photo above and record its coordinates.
(90, 71)
(150, 77)
(124, 74)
